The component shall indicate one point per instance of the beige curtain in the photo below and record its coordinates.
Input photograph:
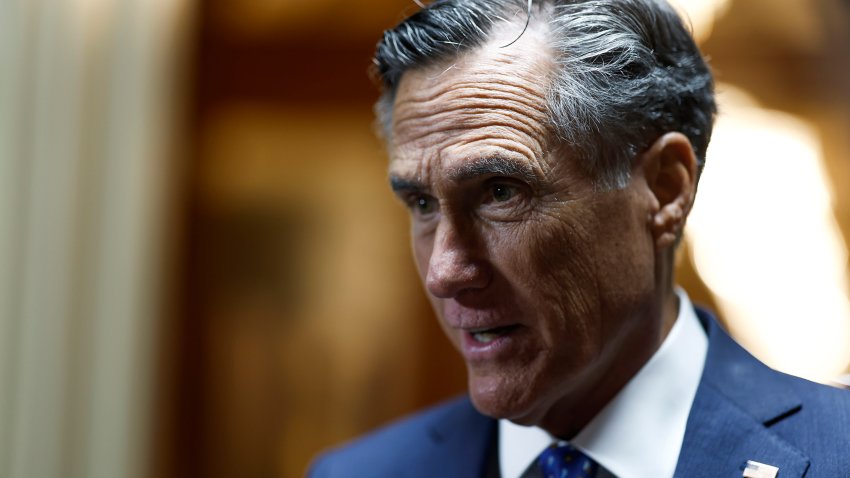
(86, 163)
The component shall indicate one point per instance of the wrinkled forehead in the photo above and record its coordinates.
(494, 92)
(512, 52)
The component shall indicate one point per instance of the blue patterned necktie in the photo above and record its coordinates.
(565, 461)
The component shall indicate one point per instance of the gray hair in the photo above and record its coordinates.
(627, 72)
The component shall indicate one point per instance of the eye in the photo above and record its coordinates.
(502, 192)
(422, 204)
(505, 200)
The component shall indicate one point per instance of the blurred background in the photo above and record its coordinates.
(203, 273)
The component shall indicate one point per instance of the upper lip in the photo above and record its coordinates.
(474, 320)
(479, 324)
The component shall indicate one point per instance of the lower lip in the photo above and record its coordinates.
(500, 347)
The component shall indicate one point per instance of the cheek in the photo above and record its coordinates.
(549, 266)
(626, 261)
(422, 247)
(625, 273)
(559, 263)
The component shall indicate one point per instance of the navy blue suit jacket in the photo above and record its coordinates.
(742, 411)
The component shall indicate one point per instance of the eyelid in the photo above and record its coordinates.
(411, 201)
(511, 180)
(511, 209)
(409, 196)
(518, 185)
(414, 196)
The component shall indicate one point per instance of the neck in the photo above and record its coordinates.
(669, 300)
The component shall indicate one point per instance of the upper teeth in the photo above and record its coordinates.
(485, 337)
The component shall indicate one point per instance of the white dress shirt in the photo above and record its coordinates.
(639, 433)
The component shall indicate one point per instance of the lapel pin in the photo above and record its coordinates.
(755, 469)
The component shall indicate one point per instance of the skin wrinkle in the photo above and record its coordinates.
(446, 122)
(495, 72)
(510, 144)
(451, 105)
(516, 110)
(524, 116)
(517, 103)
(478, 118)
(522, 106)
(497, 81)
(530, 151)
(518, 94)
(521, 92)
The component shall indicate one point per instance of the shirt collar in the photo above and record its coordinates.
(652, 407)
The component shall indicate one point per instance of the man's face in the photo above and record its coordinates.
(545, 284)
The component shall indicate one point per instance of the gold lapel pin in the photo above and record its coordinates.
(755, 469)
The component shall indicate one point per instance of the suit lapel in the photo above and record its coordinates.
(463, 442)
(737, 402)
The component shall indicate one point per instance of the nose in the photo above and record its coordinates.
(457, 261)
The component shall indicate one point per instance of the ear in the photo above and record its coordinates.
(670, 169)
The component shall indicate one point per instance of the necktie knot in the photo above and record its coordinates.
(565, 461)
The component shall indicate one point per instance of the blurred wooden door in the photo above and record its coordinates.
(304, 323)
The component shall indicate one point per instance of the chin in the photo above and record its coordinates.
(503, 398)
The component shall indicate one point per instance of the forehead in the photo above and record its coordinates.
(487, 102)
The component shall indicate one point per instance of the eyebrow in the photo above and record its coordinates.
(485, 166)
(400, 184)
(494, 166)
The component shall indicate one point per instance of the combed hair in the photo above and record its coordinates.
(627, 71)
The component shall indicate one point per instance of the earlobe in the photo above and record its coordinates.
(667, 224)
(669, 166)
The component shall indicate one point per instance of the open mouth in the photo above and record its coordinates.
(486, 336)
